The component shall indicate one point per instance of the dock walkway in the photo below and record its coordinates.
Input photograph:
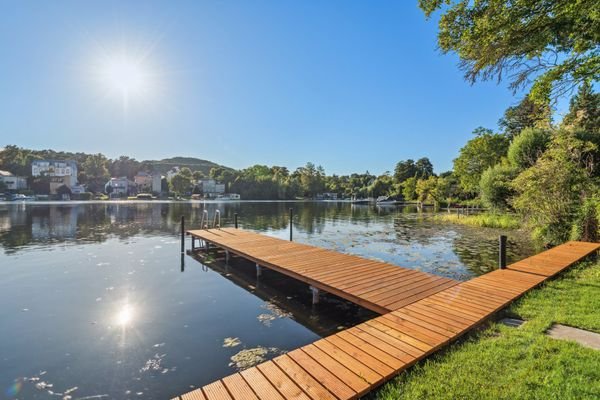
(351, 363)
(376, 285)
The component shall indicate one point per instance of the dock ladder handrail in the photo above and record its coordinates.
(204, 220)
(217, 220)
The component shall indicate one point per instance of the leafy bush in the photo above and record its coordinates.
(527, 147)
(485, 150)
(587, 226)
(551, 192)
(496, 186)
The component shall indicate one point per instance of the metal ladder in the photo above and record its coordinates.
(205, 221)
(217, 220)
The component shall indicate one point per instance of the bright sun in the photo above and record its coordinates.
(125, 77)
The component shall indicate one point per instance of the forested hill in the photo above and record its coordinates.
(18, 161)
(194, 164)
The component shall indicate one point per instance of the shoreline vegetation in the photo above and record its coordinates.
(483, 220)
(521, 362)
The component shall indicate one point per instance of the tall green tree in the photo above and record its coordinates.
(423, 168)
(197, 175)
(526, 114)
(584, 110)
(381, 186)
(496, 186)
(181, 182)
(17, 160)
(409, 189)
(124, 166)
(527, 147)
(553, 44)
(404, 170)
(426, 190)
(483, 151)
(96, 172)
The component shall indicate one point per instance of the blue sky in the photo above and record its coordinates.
(349, 85)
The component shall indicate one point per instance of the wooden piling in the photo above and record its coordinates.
(291, 222)
(502, 252)
(182, 234)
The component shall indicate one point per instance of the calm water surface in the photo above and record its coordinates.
(97, 302)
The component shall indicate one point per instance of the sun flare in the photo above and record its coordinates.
(125, 315)
(124, 75)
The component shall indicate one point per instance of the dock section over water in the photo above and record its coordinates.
(376, 285)
(350, 363)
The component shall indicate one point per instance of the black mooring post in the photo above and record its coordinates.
(182, 234)
(502, 253)
(235, 218)
(291, 225)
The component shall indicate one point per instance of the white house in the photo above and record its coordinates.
(157, 182)
(120, 185)
(13, 182)
(211, 188)
(61, 172)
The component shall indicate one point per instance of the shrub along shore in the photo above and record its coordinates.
(485, 220)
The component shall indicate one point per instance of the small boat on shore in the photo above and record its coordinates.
(21, 197)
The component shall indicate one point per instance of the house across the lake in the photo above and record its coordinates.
(60, 173)
(120, 186)
(327, 196)
(210, 188)
(12, 182)
(148, 182)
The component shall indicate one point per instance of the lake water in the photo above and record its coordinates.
(97, 301)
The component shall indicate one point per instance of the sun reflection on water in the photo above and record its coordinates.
(125, 315)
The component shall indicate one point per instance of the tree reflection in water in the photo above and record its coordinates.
(399, 235)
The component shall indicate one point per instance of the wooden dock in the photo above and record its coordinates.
(351, 363)
(378, 286)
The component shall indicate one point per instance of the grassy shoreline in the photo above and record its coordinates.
(501, 362)
(485, 220)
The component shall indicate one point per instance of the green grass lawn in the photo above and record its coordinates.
(500, 362)
(485, 220)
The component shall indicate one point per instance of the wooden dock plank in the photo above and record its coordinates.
(284, 385)
(260, 384)
(216, 391)
(333, 383)
(305, 380)
(194, 395)
(357, 353)
(354, 381)
(355, 365)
